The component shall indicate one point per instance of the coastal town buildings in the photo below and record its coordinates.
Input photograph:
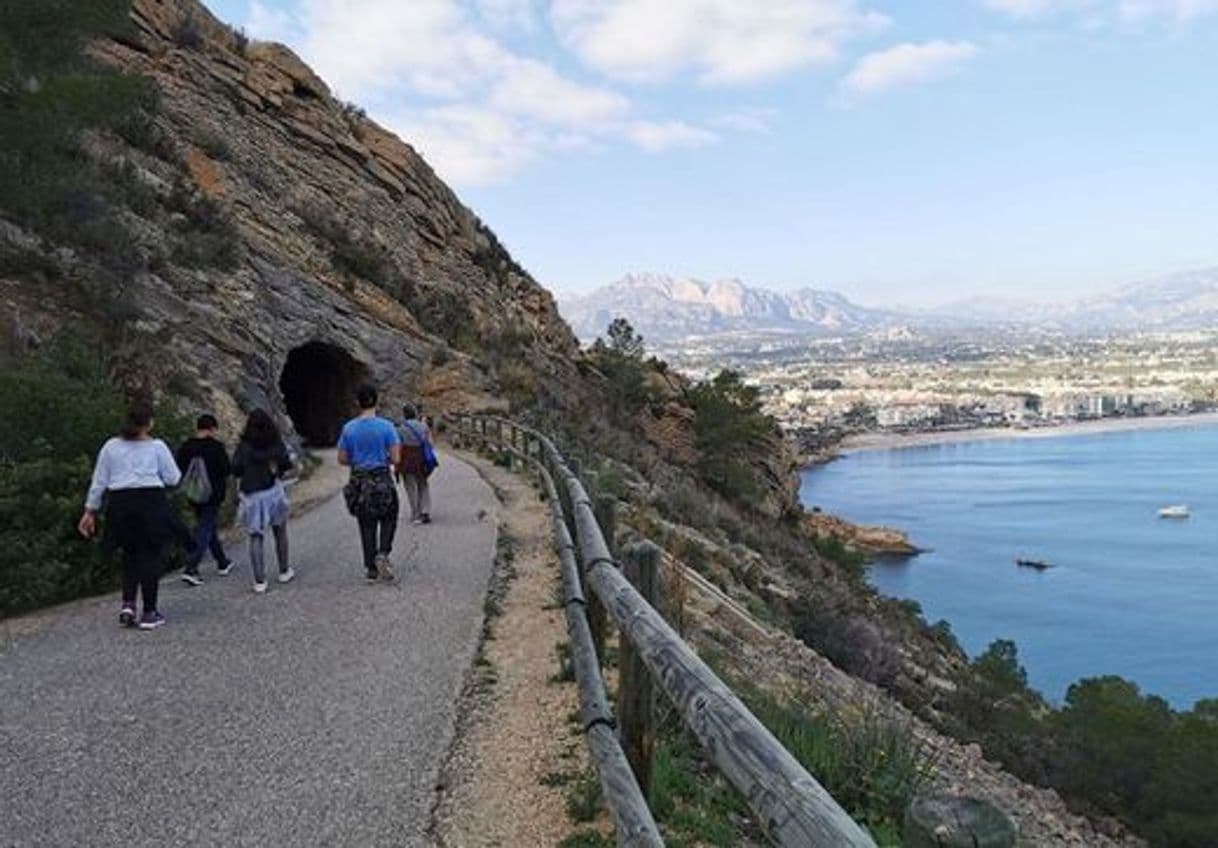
(923, 383)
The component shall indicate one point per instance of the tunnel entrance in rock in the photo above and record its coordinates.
(318, 383)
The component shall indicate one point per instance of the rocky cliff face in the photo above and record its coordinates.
(349, 259)
(273, 247)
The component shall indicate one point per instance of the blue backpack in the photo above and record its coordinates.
(430, 460)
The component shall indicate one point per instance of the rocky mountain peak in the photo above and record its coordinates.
(665, 308)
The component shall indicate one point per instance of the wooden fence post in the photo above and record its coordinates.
(605, 509)
(636, 695)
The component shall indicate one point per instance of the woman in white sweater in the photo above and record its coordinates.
(132, 472)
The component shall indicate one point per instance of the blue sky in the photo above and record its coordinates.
(898, 152)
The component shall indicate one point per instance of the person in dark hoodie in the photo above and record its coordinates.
(208, 449)
(260, 461)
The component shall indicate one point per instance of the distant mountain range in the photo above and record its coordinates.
(1184, 301)
(665, 309)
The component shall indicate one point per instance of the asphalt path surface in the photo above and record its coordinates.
(317, 714)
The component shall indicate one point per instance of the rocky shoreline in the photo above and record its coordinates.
(867, 540)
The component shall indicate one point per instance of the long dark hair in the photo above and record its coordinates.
(260, 429)
(139, 419)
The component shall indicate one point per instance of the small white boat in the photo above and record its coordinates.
(1177, 511)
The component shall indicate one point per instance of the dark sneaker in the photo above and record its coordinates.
(382, 568)
(192, 578)
(373, 575)
(226, 569)
(151, 620)
(426, 519)
(126, 616)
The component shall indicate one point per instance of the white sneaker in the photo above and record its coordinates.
(286, 576)
(259, 588)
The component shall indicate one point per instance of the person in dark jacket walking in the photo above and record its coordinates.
(260, 461)
(370, 446)
(205, 447)
(132, 472)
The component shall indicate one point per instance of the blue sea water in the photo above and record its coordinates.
(1129, 594)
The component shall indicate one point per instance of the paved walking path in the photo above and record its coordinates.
(317, 714)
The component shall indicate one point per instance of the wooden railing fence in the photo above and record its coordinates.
(792, 808)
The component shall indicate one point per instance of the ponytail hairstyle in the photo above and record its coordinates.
(137, 422)
(260, 429)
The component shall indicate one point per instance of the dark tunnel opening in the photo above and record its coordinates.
(318, 383)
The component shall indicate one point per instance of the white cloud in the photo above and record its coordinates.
(451, 77)
(657, 137)
(470, 146)
(755, 121)
(1108, 11)
(531, 88)
(426, 46)
(1036, 8)
(906, 64)
(508, 15)
(720, 41)
(1180, 11)
(434, 71)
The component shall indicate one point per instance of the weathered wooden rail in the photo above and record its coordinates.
(792, 808)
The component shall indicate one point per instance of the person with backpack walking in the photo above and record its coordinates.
(133, 471)
(204, 464)
(418, 461)
(370, 446)
(260, 461)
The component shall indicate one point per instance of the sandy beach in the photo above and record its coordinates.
(896, 441)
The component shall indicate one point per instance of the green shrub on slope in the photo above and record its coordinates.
(1108, 748)
(58, 409)
(50, 92)
(728, 427)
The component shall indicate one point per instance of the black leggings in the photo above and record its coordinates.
(369, 531)
(142, 572)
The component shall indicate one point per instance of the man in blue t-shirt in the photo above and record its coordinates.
(370, 446)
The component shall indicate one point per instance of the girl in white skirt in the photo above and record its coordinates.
(260, 461)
